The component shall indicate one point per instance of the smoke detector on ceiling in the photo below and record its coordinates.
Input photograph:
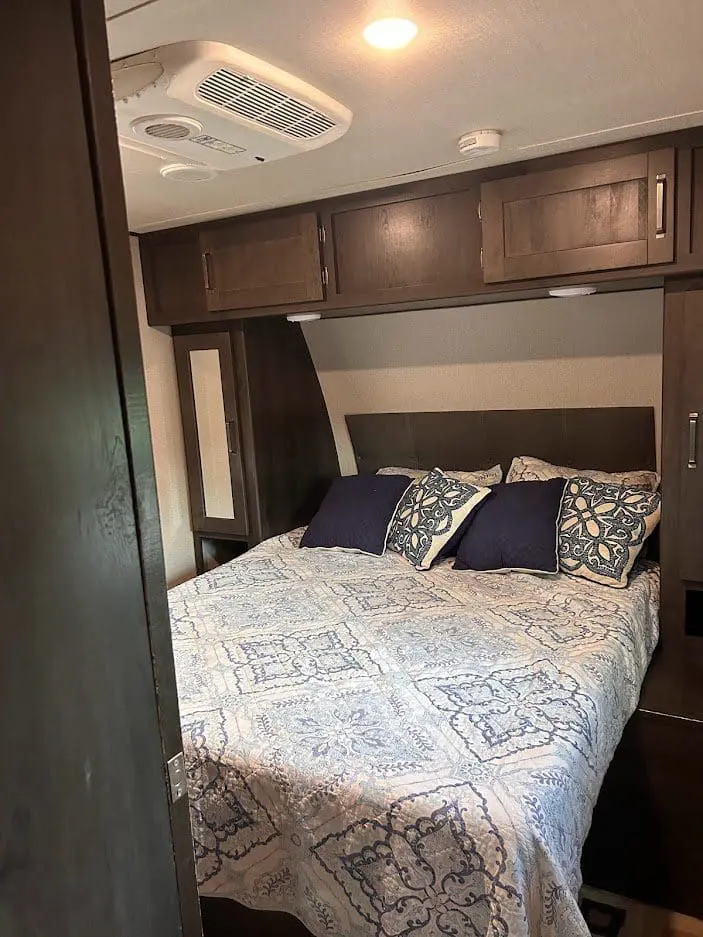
(209, 103)
(480, 143)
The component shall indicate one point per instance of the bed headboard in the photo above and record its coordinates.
(609, 438)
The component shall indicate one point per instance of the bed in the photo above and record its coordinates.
(382, 751)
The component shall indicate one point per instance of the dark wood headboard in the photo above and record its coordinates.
(609, 438)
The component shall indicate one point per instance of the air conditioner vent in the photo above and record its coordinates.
(263, 104)
(168, 131)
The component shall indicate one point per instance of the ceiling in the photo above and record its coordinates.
(551, 74)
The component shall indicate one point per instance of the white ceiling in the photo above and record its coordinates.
(552, 74)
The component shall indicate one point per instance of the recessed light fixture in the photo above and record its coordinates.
(563, 292)
(391, 33)
(304, 317)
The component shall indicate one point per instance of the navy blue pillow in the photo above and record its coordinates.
(356, 513)
(515, 529)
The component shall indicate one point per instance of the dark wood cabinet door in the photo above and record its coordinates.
(174, 280)
(594, 216)
(268, 262)
(211, 431)
(418, 248)
(683, 326)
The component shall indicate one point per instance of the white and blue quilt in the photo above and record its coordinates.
(387, 752)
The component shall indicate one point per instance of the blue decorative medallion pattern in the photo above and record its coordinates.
(429, 513)
(387, 752)
(602, 529)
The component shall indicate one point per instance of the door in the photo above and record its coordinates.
(416, 248)
(272, 261)
(596, 216)
(683, 326)
(90, 842)
(210, 414)
(174, 280)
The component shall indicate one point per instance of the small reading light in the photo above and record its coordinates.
(304, 317)
(563, 292)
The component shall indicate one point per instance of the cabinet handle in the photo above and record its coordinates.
(231, 440)
(660, 222)
(206, 270)
(692, 440)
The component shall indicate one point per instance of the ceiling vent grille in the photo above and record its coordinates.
(263, 104)
(168, 131)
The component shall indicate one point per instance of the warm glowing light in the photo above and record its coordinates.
(390, 33)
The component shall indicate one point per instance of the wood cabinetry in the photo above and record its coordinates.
(173, 276)
(682, 465)
(268, 262)
(599, 215)
(192, 274)
(640, 845)
(415, 248)
(210, 415)
(628, 213)
(259, 447)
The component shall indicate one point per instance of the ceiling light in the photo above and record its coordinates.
(304, 316)
(390, 33)
(563, 292)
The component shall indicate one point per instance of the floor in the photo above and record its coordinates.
(645, 921)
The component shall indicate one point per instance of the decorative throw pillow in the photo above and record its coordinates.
(603, 527)
(526, 468)
(356, 513)
(481, 477)
(515, 530)
(429, 513)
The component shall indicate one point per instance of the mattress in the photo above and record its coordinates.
(381, 751)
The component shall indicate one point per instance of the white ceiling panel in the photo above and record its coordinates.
(551, 74)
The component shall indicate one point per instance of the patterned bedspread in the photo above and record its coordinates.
(388, 752)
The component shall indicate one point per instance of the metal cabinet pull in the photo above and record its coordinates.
(206, 270)
(660, 222)
(692, 440)
(231, 438)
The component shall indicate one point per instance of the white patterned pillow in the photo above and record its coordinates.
(480, 478)
(429, 514)
(526, 468)
(603, 527)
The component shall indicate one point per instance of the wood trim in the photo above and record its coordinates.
(578, 260)
(672, 592)
(538, 184)
(89, 25)
(246, 423)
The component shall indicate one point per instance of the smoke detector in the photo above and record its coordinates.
(211, 104)
(480, 143)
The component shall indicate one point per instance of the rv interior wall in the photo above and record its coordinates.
(594, 351)
(167, 439)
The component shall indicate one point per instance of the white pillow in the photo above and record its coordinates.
(526, 468)
(481, 478)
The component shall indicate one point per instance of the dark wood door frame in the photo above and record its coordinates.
(95, 305)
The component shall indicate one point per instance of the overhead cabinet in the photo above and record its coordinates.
(510, 231)
(603, 215)
(273, 261)
(192, 274)
(412, 248)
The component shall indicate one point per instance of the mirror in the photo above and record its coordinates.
(212, 432)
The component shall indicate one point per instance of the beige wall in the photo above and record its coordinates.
(601, 350)
(167, 440)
